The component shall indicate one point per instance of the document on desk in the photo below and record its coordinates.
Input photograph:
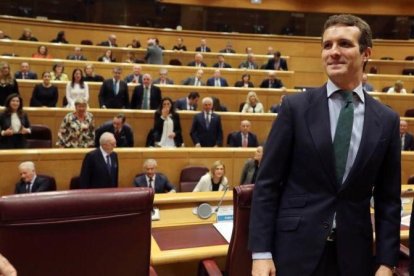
(405, 220)
(225, 229)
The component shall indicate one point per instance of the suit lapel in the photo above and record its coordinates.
(317, 118)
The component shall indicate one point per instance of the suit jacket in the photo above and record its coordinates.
(138, 94)
(130, 78)
(191, 81)
(275, 108)
(154, 55)
(16, 141)
(124, 139)
(225, 65)
(162, 185)
(106, 44)
(108, 98)
(245, 64)
(235, 140)
(95, 78)
(249, 172)
(211, 82)
(181, 104)
(229, 51)
(159, 126)
(296, 192)
(193, 63)
(158, 81)
(408, 141)
(95, 173)
(41, 184)
(276, 84)
(75, 57)
(198, 49)
(271, 64)
(30, 75)
(241, 84)
(207, 137)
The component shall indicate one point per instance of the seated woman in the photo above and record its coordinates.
(60, 38)
(167, 127)
(252, 105)
(251, 167)
(245, 81)
(107, 57)
(45, 93)
(214, 180)
(14, 124)
(398, 87)
(42, 52)
(27, 35)
(134, 44)
(180, 45)
(77, 129)
(8, 84)
(58, 72)
(77, 88)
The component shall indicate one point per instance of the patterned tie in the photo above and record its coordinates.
(207, 120)
(108, 164)
(145, 99)
(245, 142)
(343, 133)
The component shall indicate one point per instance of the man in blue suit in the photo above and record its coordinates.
(243, 138)
(206, 130)
(277, 62)
(217, 80)
(151, 178)
(25, 72)
(189, 102)
(329, 151)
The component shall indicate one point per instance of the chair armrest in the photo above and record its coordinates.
(404, 250)
(152, 271)
(208, 268)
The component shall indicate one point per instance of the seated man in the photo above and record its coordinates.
(123, 133)
(198, 61)
(163, 79)
(271, 81)
(203, 46)
(196, 80)
(365, 84)
(217, 80)
(30, 182)
(77, 54)
(111, 42)
(90, 74)
(276, 63)
(189, 102)
(276, 107)
(407, 139)
(249, 63)
(150, 178)
(3, 35)
(221, 63)
(25, 72)
(243, 138)
(135, 76)
(228, 49)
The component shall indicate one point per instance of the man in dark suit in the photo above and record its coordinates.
(276, 107)
(228, 49)
(123, 133)
(271, 81)
(150, 178)
(217, 80)
(189, 102)
(25, 72)
(198, 61)
(329, 151)
(154, 53)
(243, 138)
(100, 166)
(407, 139)
(196, 80)
(135, 76)
(30, 182)
(111, 42)
(77, 54)
(221, 63)
(203, 46)
(249, 63)
(206, 130)
(277, 63)
(146, 96)
(163, 79)
(114, 92)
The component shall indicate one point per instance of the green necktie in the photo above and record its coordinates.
(343, 134)
(145, 99)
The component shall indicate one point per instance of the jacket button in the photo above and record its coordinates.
(325, 225)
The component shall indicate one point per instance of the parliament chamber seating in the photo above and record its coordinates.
(190, 176)
(239, 259)
(88, 232)
(40, 137)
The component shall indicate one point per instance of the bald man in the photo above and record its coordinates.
(30, 182)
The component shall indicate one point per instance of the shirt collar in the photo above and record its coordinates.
(332, 88)
(104, 153)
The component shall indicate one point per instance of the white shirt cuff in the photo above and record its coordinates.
(261, 255)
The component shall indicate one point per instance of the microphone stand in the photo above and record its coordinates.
(221, 199)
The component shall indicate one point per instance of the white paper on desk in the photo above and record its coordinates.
(405, 220)
(225, 229)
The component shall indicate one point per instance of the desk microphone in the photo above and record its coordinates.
(205, 210)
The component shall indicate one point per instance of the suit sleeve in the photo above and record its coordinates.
(219, 133)
(86, 171)
(126, 99)
(102, 95)
(34, 100)
(129, 137)
(45, 185)
(177, 130)
(134, 98)
(194, 131)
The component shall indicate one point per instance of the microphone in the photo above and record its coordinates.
(204, 210)
(226, 188)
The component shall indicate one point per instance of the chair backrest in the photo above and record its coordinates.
(410, 179)
(239, 258)
(40, 137)
(74, 183)
(408, 71)
(409, 58)
(385, 89)
(85, 232)
(51, 179)
(190, 176)
(86, 42)
(409, 113)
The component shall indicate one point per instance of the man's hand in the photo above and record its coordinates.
(263, 268)
(384, 271)
(6, 269)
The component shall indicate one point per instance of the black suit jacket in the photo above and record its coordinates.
(124, 139)
(408, 141)
(276, 84)
(207, 137)
(241, 84)
(95, 78)
(74, 57)
(198, 49)
(16, 141)
(235, 140)
(192, 63)
(106, 44)
(211, 82)
(138, 94)
(225, 65)
(95, 173)
(130, 78)
(271, 64)
(181, 104)
(296, 193)
(159, 126)
(162, 185)
(41, 184)
(30, 75)
(108, 98)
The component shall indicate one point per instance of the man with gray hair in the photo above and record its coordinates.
(206, 130)
(30, 182)
(77, 54)
(151, 178)
(111, 42)
(100, 166)
(146, 96)
(114, 91)
(163, 79)
(154, 53)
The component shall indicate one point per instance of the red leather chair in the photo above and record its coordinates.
(74, 183)
(41, 137)
(403, 267)
(190, 176)
(80, 232)
(239, 258)
(410, 179)
(409, 113)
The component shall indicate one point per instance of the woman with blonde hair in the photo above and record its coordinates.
(253, 104)
(214, 180)
(8, 84)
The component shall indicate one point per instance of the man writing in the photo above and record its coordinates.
(328, 152)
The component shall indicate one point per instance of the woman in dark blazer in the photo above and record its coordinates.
(167, 127)
(14, 124)
(45, 93)
(244, 82)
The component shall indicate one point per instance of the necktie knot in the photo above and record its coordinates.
(348, 96)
